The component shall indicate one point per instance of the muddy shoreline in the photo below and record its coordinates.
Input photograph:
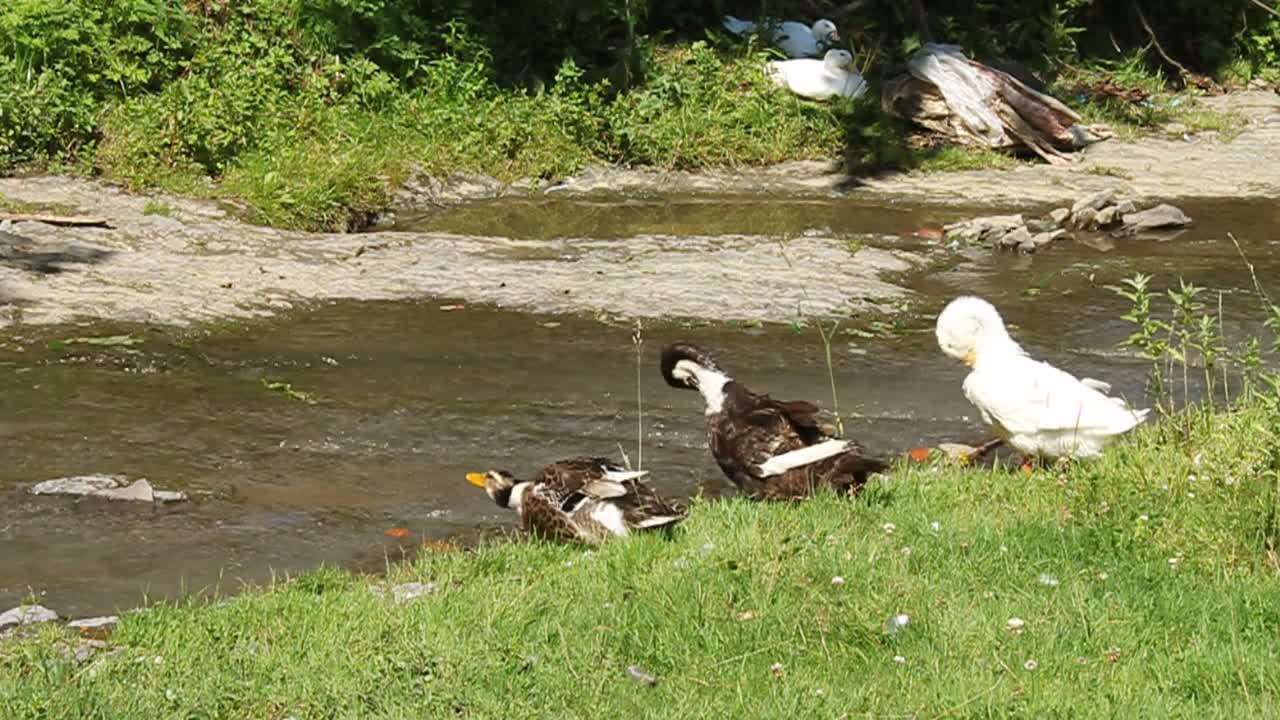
(196, 263)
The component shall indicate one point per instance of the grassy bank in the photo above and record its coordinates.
(311, 113)
(1146, 585)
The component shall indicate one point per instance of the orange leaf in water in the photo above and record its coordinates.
(920, 454)
(397, 532)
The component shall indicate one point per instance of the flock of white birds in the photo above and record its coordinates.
(817, 79)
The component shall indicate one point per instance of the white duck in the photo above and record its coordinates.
(819, 79)
(794, 38)
(1034, 407)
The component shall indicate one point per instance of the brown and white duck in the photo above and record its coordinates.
(585, 499)
(770, 449)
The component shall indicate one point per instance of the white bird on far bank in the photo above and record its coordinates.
(1037, 409)
(793, 38)
(823, 79)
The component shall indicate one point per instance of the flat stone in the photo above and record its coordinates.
(1014, 238)
(1160, 216)
(1027, 246)
(110, 487)
(1096, 201)
(1042, 239)
(977, 230)
(1060, 215)
(407, 591)
(1041, 226)
(94, 622)
(1106, 216)
(1081, 219)
(27, 615)
(1124, 207)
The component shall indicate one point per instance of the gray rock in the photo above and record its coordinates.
(1158, 217)
(1060, 215)
(1014, 238)
(977, 230)
(1045, 238)
(1106, 216)
(94, 623)
(110, 487)
(27, 615)
(1027, 246)
(1041, 226)
(1081, 219)
(406, 591)
(1124, 207)
(1096, 201)
(81, 651)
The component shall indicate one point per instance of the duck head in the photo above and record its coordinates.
(969, 327)
(499, 485)
(838, 60)
(825, 32)
(689, 367)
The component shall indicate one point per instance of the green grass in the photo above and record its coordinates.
(1143, 581)
(158, 207)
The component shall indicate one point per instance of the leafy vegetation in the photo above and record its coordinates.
(313, 111)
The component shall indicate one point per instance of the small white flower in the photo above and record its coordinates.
(1192, 477)
(1048, 580)
(1143, 517)
(837, 580)
(1004, 548)
(707, 547)
(1191, 495)
(899, 659)
(819, 692)
(170, 695)
(1031, 664)
(902, 619)
(906, 550)
(935, 526)
(888, 528)
(1103, 576)
(1016, 624)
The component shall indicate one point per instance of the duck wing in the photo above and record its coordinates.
(1027, 396)
(543, 512)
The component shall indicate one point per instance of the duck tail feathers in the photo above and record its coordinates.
(659, 521)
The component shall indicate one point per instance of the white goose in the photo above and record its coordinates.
(823, 79)
(794, 38)
(1036, 408)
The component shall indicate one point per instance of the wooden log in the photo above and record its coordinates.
(63, 220)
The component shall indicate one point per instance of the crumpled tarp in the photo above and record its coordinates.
(975, 104)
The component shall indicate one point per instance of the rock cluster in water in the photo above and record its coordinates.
(110, 487)
(1101, 212)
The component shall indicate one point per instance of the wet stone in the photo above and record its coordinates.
(1083, 218)
(1158, 217)
(1124, 207)
(1106, 216)
(1015, 238)
(1060, 215)
(27, 615)
(1096, 201)
(109, 487)
(1041, 226)
(1042, 239)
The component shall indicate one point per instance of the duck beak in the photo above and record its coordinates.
(971, 358)
(476, 479)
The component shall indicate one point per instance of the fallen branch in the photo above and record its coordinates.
(66, 220)
(1266, 7)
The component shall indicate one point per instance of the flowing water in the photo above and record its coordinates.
(396, 401)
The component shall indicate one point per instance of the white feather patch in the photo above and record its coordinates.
(779, 464)
(517, 495)
(609, 516)
(623, 475)
(658, 521)
(604, 489)
(1101, 386)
